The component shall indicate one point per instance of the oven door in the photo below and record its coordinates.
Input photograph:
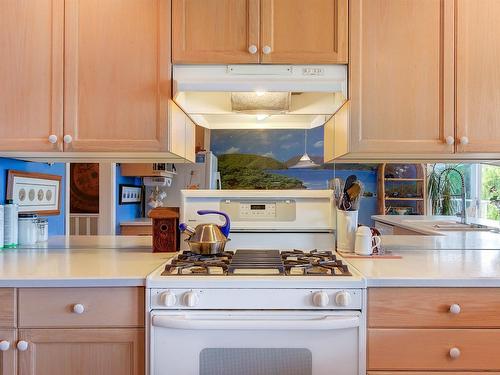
(255, 343)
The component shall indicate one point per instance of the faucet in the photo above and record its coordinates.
(463, 214)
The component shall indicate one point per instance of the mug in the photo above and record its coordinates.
(365, 243)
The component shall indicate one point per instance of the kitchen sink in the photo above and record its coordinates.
(450, 226)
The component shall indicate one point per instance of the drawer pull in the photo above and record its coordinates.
(454, 353)
(4, 345)
(22, 345)
(455, 309)
(78, 308)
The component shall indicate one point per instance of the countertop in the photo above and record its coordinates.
(432, 268)
(143, 221)
(421, 223)
(83, 261)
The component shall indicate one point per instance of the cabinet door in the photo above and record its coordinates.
(304, 32)
(215, 31)
(8, 356)
(478, 76)
(117, 74)
(402, 76)
(82, 352)
(31, 74)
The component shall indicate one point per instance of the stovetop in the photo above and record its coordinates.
(258, 263)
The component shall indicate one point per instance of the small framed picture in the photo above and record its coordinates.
(35, 192)
(130, 194)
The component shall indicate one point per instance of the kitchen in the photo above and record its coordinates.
(295, 99)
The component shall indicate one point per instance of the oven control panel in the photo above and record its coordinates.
(250, 210)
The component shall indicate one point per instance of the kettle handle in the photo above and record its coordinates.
(227, 225)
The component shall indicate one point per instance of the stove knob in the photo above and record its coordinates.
(191, 299)
(343, 299)
(168, 299)
(320, 299)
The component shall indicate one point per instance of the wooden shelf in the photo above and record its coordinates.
(405, 179)
(403, 199)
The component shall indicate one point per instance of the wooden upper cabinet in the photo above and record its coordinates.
(402, 76)
(117, 74)
(304, 32)
(215, 31)
(478, 75)
(31, 82)
(116, 351)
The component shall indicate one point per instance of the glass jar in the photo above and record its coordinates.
(28, 230)
(43, 229)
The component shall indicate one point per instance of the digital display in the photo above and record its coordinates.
(257, 206)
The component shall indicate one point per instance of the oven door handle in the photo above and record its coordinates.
(323, 323)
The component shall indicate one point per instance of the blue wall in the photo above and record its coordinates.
(56, 223)
(127, 211)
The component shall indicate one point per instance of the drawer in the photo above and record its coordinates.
(81, 307)
(430, 307)
(429, 373)
(430, 349)
(7, 307)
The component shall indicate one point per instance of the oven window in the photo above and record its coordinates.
(258, 361)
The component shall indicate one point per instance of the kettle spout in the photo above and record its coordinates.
(184, 228)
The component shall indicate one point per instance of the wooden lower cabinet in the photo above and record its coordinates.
(428, 373)
(82, 352)
(8, 357)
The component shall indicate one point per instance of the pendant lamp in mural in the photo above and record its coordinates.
(305, 161)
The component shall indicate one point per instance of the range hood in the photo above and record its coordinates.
(260, 96)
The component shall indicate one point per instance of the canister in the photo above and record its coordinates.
(43, 229)
(28, 229)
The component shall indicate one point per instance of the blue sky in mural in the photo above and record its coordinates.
(277, 144)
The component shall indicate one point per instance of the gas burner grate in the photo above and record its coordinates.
(313, 263)
(258, 262)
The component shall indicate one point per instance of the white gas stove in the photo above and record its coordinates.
(260, 307)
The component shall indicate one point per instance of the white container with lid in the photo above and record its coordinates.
(28, 229)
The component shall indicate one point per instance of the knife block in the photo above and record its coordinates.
(166, 234)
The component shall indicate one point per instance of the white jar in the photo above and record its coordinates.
(28, 231)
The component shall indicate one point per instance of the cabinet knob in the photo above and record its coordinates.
(455, 309)
(450, 140)
(464, 140)
(53, 138)
(266, 50)
(253, 49)
(4, 345)
(68, 138)
(78, 308)
(22, 345)
(454, 353)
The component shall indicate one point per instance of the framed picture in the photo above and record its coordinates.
(130, 194)
(35, 192)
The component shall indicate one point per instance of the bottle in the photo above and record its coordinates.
(10, 224)
(1, 226)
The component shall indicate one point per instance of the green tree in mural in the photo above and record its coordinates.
(246, 171)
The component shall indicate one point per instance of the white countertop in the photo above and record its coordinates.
(433, 268)
(84, 261)
(421, 223)
(142, 221)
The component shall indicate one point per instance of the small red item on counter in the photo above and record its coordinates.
(166, 234)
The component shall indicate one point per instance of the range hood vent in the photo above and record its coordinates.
(260, 96)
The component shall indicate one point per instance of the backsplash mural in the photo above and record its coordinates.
(269, 159)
